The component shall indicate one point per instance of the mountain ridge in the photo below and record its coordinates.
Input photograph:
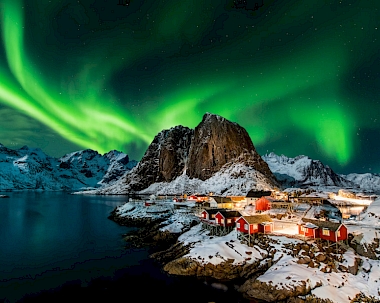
(31, 168)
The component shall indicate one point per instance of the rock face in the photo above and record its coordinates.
(217, 142)
(226, 271)
(214, 146)
(164, 160)
(269, 293)
(303, 171)
(31, 168)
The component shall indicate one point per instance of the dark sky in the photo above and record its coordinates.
(302, 77)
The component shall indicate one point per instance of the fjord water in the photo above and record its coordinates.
(55, 245)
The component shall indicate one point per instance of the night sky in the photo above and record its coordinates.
(302, 77)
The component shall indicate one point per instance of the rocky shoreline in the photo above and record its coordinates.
(170, 253)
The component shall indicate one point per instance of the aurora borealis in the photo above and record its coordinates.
(302, 77)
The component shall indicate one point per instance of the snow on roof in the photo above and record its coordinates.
(310, 225)
(323, 224)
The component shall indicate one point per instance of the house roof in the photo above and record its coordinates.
(323, 224)
(258, 193)
(230, 213)
(257, 219)
(310, 225)
(222, 199)
(211, 211)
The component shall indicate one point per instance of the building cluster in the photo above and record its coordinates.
(221, 215)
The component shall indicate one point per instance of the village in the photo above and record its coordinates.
(304, 215)
(303, 242)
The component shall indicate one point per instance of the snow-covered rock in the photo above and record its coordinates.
(31, 168)
(218, 156)
(303, 171)
(368, 181)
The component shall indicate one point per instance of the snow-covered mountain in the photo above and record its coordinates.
(217, 156)
(232, 180)
(31, 168)
(368, 182)
(303, 171)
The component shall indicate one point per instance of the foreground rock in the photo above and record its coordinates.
(223, 272)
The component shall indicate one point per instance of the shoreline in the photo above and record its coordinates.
(247, 276)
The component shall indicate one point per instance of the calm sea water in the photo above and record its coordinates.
(57, 246)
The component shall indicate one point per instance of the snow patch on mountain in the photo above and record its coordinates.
(31, 168)
(232, 180)
(303, 171)
(368, 182)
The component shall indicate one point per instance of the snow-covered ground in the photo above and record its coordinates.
(338, 286)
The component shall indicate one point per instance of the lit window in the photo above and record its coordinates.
(246, 226)
(229, 221)
(222, 221)
(213, 216)
(303, 229)
(338, 233)
(325, 232)
(255, 226)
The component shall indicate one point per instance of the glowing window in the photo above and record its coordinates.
(338, 233)
(325, 232)
(229, 220)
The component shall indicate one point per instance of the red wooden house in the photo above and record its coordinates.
(308, 229)
(209, 214)
(226, 217)
(197, 198)
(263, 204)
(261, 223)
(326, 230)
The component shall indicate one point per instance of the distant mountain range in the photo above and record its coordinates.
(302, 171)
(217, 156)
(31, 168)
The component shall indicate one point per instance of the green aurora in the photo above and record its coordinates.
(301, 76)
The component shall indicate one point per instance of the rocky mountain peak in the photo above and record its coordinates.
(164, 160)
(218, 141)
(180, 158)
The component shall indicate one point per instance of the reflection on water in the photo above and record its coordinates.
(348, 211)
(61, 247)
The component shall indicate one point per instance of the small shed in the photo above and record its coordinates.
(263, 204)
(227, 217)
(308, 229)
